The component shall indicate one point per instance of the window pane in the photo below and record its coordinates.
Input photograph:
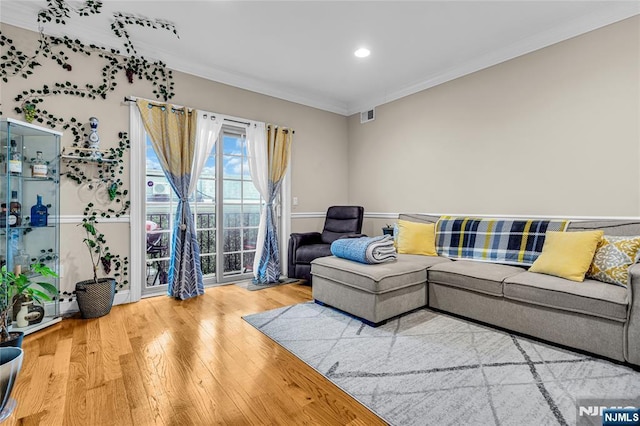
(209, 170)
(159, 216)
(153, 164)
(208, 264)
(157, 272)
(206, 218)
(232, 263)
(207, 240)
(249, 191)
(232, 145)
(248, 260)
(232, 240)
(246, 172)
(205, 191)
(158, 189)
(250, 237)
(232, 167)
(232, 190)
(232, 215)
(251, 215)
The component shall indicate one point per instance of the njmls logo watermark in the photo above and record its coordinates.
(608, 412)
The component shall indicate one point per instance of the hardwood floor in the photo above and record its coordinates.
(167, 362)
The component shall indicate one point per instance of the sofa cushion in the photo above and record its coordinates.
(377, 278)
(588, 297)
(305, 254)
(416, 238)
(613, 258)
(477, 276)
(425, 261)
(567, 254)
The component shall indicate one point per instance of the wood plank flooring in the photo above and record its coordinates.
(166, 362)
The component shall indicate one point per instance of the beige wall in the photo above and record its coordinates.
(554, 132)
(320, 141)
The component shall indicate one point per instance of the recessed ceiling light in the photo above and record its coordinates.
(362, 52)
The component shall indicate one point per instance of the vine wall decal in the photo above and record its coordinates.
(15, 63)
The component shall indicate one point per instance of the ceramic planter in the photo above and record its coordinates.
(10, 364)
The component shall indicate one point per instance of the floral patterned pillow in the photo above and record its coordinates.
(613, 258)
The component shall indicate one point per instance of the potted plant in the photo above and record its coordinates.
(12, 285)
(387, 230)
(95, 296)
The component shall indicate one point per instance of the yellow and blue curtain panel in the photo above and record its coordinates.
(278, 151)
(511, 242)
(173, 134)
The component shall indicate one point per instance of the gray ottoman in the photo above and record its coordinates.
(374, 293)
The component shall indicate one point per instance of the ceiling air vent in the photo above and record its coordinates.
(367, 116)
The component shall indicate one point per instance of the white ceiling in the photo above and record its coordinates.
(302, 51)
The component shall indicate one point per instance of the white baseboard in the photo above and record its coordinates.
(121, 297)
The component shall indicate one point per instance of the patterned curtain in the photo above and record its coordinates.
(173, 135)
(278, 148)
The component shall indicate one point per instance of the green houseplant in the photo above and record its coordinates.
(95, 296)
(12, 285)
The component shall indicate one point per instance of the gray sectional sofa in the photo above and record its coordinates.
(592, 316)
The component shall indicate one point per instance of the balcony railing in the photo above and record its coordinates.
(240, 234)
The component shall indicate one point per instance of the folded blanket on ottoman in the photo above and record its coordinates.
(365, 249)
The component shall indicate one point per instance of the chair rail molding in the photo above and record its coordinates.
(74, 219)
(367, 215)
(389, 215)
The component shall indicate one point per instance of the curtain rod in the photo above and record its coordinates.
(126, 99)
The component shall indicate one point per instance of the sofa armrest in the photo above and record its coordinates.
(306, 238)
(633, 323)
(352, 236)
(297, 240)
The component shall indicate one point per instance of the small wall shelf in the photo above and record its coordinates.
(76, 157)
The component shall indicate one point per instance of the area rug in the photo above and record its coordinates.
(430, 368)
(249, 285)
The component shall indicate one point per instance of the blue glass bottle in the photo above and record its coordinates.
(39, 213)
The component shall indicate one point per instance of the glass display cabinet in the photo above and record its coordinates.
(29, 221)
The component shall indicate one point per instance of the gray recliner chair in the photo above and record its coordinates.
(340, 222)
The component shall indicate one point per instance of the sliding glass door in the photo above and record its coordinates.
(224, 190)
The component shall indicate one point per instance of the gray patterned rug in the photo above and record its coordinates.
(249, 285)
(430, 368)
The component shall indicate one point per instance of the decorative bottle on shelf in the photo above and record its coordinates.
(39, 213)
(15, 210)
(39, 166)
(21, 318)
(94, 139)
(15, 159)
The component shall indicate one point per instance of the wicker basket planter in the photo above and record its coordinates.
(95, 299)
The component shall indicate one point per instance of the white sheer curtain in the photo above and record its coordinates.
(207, 131)
(259, 168)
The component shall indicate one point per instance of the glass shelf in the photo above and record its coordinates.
(31, 178)
(31, 227)
(104, 156)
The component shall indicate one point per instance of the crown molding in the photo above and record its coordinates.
(538, 41)
(255, 85)
(23, 15)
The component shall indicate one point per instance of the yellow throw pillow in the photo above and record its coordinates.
(417, 238)
(567, 254)
(613, 258)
